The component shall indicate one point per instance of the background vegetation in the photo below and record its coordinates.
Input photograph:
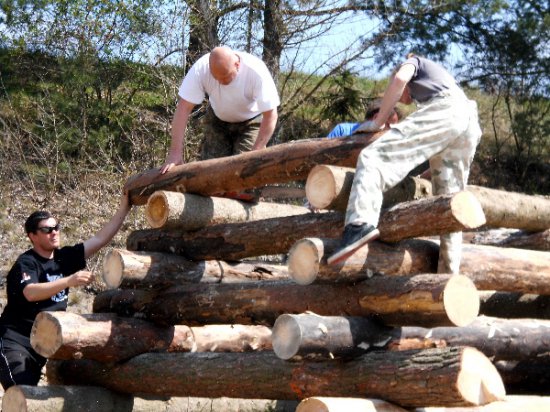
(88, 87)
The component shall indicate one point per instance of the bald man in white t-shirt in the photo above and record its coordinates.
(243, 105)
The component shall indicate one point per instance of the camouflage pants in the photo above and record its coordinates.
(226, 139)
(444, 130)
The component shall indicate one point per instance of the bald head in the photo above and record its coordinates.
(224, 64)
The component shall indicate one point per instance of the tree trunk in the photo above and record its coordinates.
(513, 210)
(533, 241)
(324, 404)
(514, 305)
(307, 260)
(126, 269)
(329, 187)
(276, 164)
(106, 337)
(236, 241)
(186, 211)
(310, 335)
(425, 300)
(507, 269)
(432, 216)
(448, 376)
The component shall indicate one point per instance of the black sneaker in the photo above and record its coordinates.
(354, 237)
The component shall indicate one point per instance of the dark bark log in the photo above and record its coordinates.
(449, 376)
(277, 164)
(514, 305)
(122, 268)
(425, 300)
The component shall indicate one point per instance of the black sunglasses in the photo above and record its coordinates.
(49, 229)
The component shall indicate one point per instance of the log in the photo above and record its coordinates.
(24, 398)
(512, 403)
(234, 241)
(186, 211)
(431, 216)
(513, 210)
(106, 337)
(507, 269)
(55, 398)
(314, 336)
(324, 404)
(277, 164)
(329, 187)
(526, 376)
(307, 261)
(447, 376)
(524, 240)
(514, 305)
(425, 300)
(123, 268)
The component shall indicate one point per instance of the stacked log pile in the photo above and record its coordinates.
(191, 310)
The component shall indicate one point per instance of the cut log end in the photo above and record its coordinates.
(461, 300)
(320, 187)
(304, 258)
(14, 400)
(46, 335)
(467, 210)
(286, 337)
(113, 267)
(156, 210)
(479, 381)
(325, 404)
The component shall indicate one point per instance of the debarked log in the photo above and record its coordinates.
(277, 164)
(329, 187)
(446, 377)
(186, 211)
(426, 300)
(314, 336)
(106, 337)
(506, 269)
(307, 260)
(123, 268)
(513, 210)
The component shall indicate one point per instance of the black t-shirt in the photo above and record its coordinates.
(30, 267)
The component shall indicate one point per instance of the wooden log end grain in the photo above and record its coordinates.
(461, 300)
(286, 336)
(479, 381)
(157, 209)
(466, 209)
(324, 185)
(46, 334)
(326, 404)
(113, 267)
(304, 258)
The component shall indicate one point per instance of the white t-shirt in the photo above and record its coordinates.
(252, 91)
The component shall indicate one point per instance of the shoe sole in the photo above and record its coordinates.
(350, 250)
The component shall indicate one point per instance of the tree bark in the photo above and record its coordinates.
(126, 269)
(310, 335)
(527, 376)
(307, 260)
(513, 210)
(425, 300)
(186, 211)
(325, 404)
(448, 376)
(276, 164)
(106, 337)
(431, 216)
(236, 241)
(514, 305)
(507, 269)
(329, 187)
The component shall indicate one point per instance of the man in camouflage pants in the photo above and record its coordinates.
(444, 129)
